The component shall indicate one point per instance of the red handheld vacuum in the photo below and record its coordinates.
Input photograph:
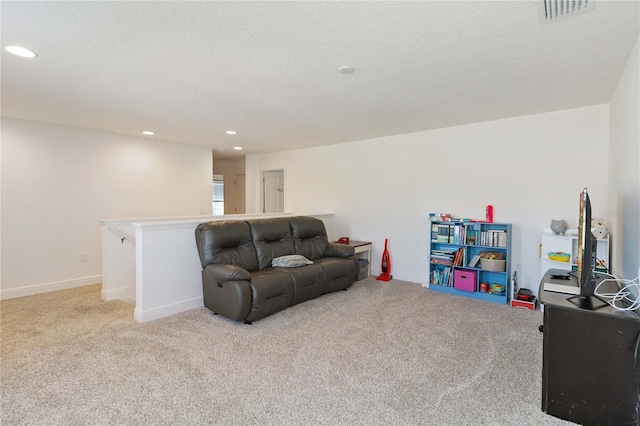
(386, 265)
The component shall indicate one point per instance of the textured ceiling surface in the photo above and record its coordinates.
(269, 70)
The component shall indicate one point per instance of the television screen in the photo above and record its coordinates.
(585, 239)
(586, 260)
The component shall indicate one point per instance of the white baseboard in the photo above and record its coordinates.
(165, 311)
(31, 290)
(116, 294)
(420, 279)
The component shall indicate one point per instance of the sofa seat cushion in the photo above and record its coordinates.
(308, 282)
(338, 273)
(271, 238)
(271, 291)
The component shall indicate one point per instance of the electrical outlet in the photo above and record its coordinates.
(84, 257)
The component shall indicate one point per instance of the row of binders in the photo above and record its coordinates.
(465, 234)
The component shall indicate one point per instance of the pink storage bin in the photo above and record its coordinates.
(465, 280)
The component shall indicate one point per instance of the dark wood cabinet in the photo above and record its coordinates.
(591, 363)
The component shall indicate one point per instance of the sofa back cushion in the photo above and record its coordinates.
(271, 238)
(309, 236)
(227, 241)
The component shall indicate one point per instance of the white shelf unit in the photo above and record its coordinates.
(568, 243)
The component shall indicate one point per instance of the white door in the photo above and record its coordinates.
(240, 194)
(273, 191)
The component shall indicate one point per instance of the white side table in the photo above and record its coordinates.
(363, 247)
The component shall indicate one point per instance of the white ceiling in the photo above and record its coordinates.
(269, 70)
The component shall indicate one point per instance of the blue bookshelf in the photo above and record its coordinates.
(454, 250)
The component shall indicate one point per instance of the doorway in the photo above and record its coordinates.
(218, 195)
(273, 191)
(240, 194)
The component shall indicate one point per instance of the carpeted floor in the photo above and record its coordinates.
(379, 354)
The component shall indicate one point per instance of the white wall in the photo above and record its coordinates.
(624, 170)
(531, 169)
(58, 182)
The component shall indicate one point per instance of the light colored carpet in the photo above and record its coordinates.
(382, 353)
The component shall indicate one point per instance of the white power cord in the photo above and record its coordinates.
(624, 294)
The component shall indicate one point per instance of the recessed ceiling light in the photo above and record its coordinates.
(347, 69)
(237, 148)
(20, 51)
(148, 133)
(231, 132)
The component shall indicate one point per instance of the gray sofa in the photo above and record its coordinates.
(238, 279)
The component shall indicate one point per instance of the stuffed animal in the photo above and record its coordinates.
(598, 229)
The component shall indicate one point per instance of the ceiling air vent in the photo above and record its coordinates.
(553, 10)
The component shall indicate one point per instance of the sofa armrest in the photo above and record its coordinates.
(339, 250)
(225, 272)
(225, 290)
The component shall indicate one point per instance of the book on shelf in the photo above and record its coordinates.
(434, 232)
(448, 257)
(442, 277)
(494, 238)
(456, 234)
(474, 261)
(451, 233)
(441, 233)
(444, 253)
(502, 241)
(457, 261)
(472, 237)
(464, 234)
(440, 216)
